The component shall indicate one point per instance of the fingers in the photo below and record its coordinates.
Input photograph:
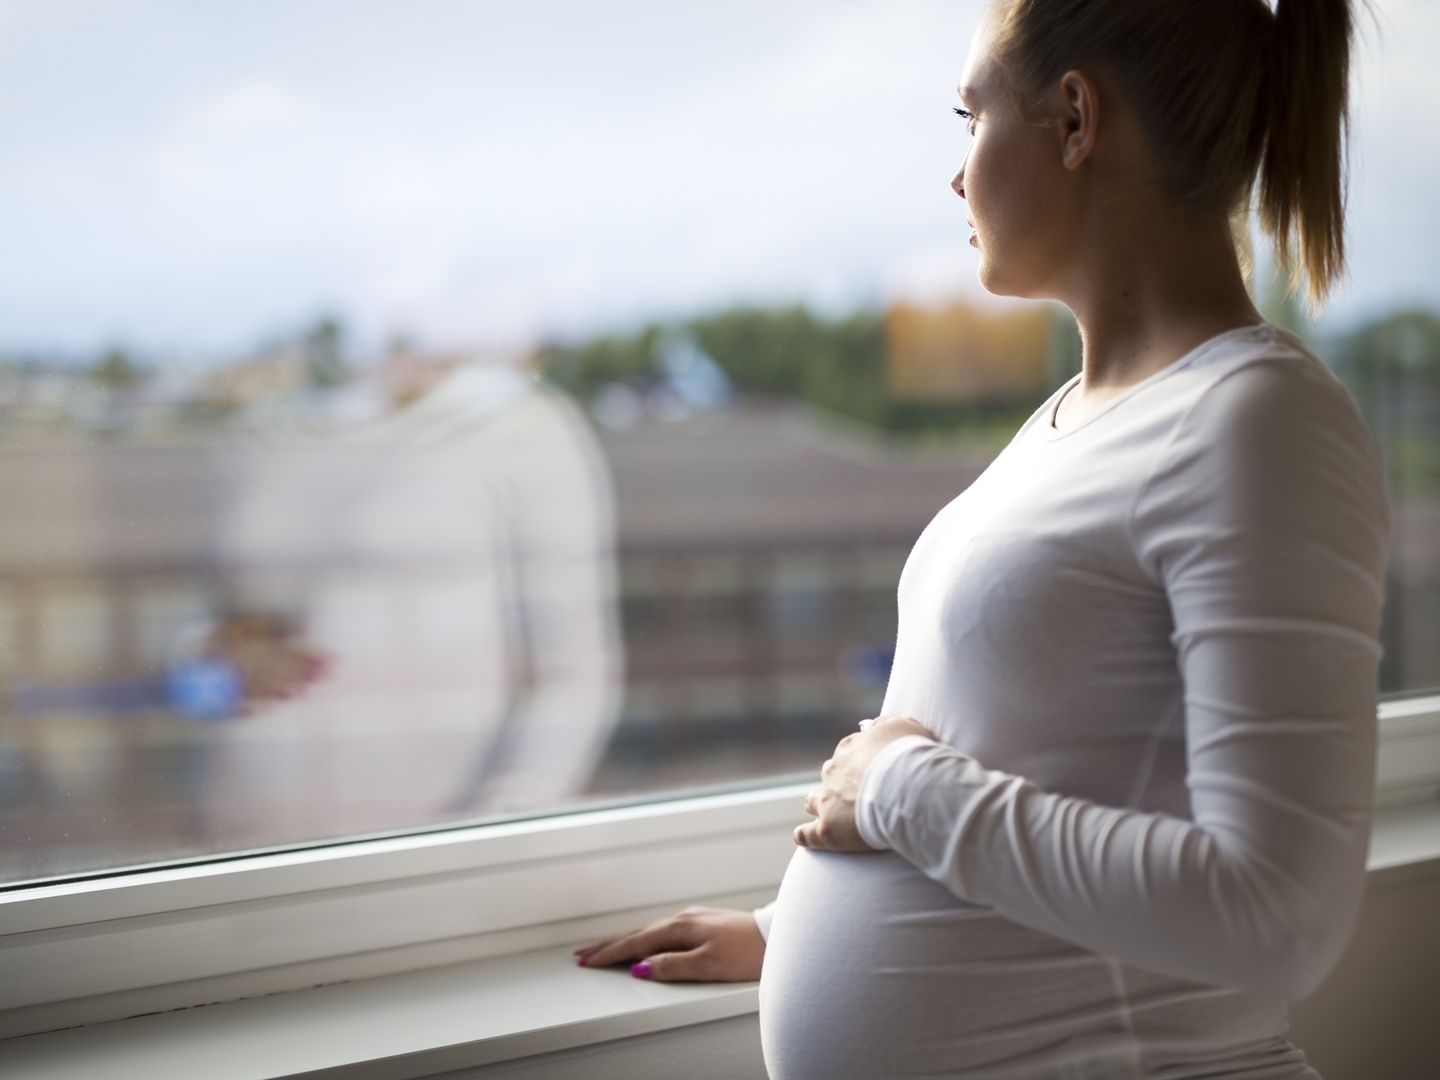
(585, 953)
(692, 965)
(816, 836)
(689, 965)
(623, 950)
(812, 803)
(822, 835)
(675, 933)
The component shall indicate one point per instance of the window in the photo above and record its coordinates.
(411, 419)
(414, 419)
(387, 393)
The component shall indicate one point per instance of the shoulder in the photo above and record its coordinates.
(1265, 367)
(1263, 393)
(1268, 440)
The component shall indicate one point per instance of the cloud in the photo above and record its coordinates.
(201, 172)
(257, 102)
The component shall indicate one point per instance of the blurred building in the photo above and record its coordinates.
(758, 560)
(453, 562)
(760, 552)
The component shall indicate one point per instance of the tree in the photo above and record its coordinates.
(116, 371)
(324, 354)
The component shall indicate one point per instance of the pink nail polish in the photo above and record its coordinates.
(641, 970)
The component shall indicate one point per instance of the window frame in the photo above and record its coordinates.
(109, 947)
(148, 940)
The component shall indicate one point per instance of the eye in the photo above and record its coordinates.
(968, 117)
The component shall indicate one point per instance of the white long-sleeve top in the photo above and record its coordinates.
(1146, 646)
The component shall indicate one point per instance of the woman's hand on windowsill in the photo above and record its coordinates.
(696, 945)
(719, 945)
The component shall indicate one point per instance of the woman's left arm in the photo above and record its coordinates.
(1267, 524)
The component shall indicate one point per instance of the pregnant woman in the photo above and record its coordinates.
(1116, 813)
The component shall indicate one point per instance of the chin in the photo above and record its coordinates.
(994, 280)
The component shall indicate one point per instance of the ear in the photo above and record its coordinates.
(1078, 103)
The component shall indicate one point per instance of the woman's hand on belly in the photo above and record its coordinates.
(832, 804)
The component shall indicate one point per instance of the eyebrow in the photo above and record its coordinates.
(966, 92)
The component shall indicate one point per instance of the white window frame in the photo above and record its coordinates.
(150, 940)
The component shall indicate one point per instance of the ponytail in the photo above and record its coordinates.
(1225, 90)
(1302, 173)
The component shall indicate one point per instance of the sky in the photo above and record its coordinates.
(194, 177)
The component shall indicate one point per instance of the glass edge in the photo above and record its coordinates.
(571, 810)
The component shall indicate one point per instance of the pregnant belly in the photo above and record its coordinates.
(872, 971)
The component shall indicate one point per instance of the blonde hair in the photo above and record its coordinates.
(1225, 90)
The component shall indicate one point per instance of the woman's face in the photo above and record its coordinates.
(1015, 186)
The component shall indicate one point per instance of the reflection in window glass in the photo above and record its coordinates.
(410, 416)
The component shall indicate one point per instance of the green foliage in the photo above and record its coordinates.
(1393, 368)
(117, 371)
(838, 365)
(784, 352)
(1407, 341)
(1389, 359)
(324, 354)
(583, 369)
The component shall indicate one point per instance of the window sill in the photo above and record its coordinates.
(398, 1027)
(466, 1016)
(92, 952)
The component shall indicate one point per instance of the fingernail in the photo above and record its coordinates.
(641, 970)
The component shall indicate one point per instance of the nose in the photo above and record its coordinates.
(957, 184)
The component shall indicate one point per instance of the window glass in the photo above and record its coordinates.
(413, 414)
(1392, 363)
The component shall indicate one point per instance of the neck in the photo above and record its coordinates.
(1150, 289)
